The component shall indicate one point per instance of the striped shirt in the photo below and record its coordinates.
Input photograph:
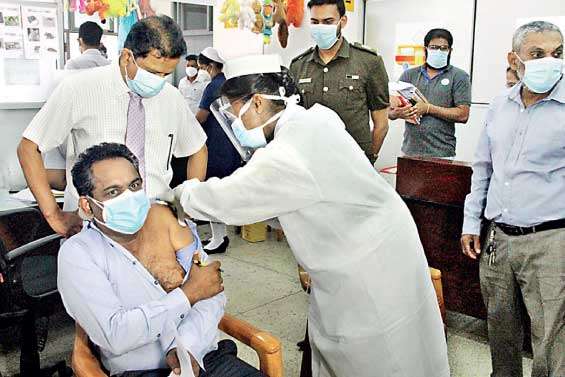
(89, 109)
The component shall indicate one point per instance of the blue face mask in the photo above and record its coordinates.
(125, 213)
(541, 75)
(253, 138)
(437, 59)
(144, 83)
(325, 36)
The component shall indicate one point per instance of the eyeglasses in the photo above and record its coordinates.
(441, 48)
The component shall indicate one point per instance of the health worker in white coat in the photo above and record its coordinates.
(373, 310)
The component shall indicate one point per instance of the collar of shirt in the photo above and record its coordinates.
(92, 51)
(557, 94)
(343, 52)
(125, 252)
(424, 72)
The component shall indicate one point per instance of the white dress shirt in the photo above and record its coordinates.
(125, 311)
(192, 91)
(90, 58)
(92, 108)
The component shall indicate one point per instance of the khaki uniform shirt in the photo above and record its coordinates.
(352, 84)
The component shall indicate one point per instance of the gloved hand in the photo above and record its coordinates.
(170, 200)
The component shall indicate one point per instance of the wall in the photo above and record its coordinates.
(12, 124)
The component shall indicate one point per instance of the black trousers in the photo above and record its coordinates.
(220, 363)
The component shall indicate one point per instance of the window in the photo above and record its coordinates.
(194, 19)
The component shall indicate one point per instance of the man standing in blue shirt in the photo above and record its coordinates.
(519, 183)
(448, 90)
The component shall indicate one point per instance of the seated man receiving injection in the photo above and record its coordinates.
(129, 280)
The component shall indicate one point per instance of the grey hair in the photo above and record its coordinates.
(532, 27)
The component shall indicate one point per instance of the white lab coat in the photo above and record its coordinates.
(373, 310)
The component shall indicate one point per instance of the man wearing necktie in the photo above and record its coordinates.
(129, 102)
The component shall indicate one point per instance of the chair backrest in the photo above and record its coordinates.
(18, 227)
(28, 265)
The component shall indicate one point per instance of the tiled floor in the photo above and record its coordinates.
(262, 285)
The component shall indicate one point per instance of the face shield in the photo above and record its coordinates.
(224, 114)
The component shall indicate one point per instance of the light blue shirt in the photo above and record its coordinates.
(519, 169)
(123, 308)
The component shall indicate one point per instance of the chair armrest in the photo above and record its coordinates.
(83, 361)
(32, 246)
(438, 287)
(267, 346)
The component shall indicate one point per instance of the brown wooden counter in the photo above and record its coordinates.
(435, 191)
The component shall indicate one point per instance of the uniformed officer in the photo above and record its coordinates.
(348, 78)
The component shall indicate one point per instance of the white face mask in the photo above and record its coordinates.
(204, 75)
(191, 72)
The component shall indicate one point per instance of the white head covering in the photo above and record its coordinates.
(213, 54)
(252, 64)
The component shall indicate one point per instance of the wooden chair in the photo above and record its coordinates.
(268, 348)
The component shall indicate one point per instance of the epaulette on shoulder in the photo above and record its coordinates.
(362, 47)
(307, 52)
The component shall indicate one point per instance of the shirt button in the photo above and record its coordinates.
(326, 70)
(158, 335)
(351, 87)
(325, 89)
(133, 263)
(182, 316)
(302, 91)
(156, 282)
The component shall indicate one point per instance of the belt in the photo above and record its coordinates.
(512, 230)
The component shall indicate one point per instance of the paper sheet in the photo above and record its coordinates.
(184, 359)
(26, 196)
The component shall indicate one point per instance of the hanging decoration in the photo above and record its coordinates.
(279, 18)
(258, 25)
(295, 12)
(112, 8)
(246, 15)
(267, 21)
(261, 16)
(229, 14)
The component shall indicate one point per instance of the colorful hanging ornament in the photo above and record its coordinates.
(267, 21)
(279, 18)
(229, 14)
(258, 25)
(295, 12)
(116, 8)
(97, 6)
(246, 15)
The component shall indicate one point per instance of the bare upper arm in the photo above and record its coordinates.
(162, 220)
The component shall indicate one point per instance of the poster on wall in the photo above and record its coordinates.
(11, 38)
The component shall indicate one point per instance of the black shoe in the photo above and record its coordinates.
(204, 243)
(220, 249)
